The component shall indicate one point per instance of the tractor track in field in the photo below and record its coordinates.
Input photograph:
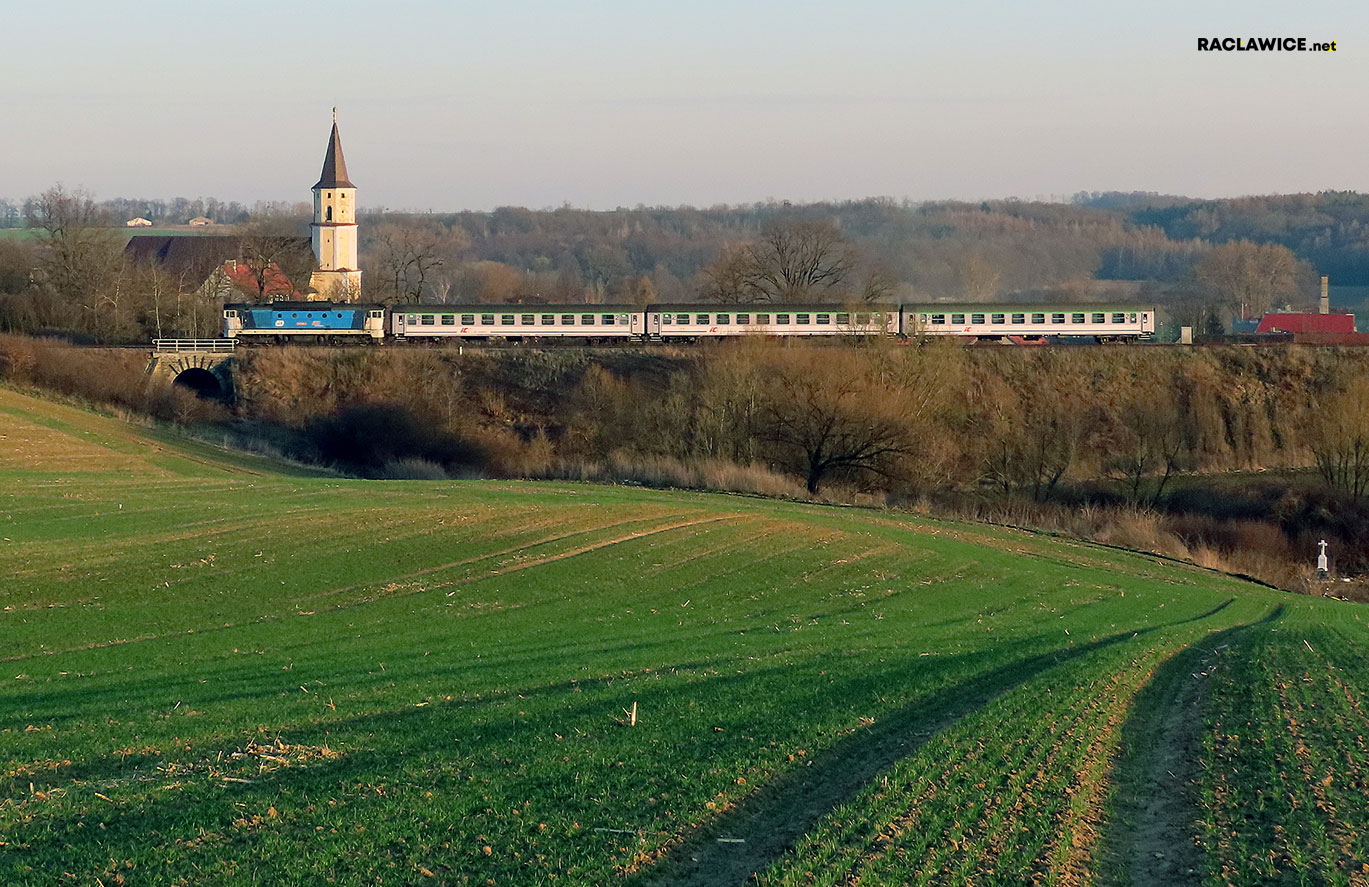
(1152, 836)
(732, 849)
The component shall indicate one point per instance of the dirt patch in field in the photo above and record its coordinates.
(1152, 840)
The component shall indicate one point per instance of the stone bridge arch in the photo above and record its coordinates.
(203, 366)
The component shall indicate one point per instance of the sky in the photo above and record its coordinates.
(449, 106)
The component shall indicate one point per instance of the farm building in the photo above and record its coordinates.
(139, 222)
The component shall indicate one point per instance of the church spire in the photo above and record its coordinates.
(334, 166)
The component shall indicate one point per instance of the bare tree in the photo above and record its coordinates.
(280, 259)
(789, 262)
(833, 414)
(1340, 439)
(407, 256)
(1249, 278)
(81, 261)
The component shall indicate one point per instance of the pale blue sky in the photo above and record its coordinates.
(460, 105)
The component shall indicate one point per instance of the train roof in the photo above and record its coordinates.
(516, 308)
(1019, 307)
(302, 306)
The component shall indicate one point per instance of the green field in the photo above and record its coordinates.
(217, 670)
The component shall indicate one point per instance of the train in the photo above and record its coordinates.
(336, 322)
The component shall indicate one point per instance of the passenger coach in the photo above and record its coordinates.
(1105, 323)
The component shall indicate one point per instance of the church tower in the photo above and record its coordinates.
(335, 228)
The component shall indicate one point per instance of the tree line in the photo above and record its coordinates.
(68, 275)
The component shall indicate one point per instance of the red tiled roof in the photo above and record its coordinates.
(1307, 323)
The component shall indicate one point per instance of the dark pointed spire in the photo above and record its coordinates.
(334, 166)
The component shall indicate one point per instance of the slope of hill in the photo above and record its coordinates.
(219, 672)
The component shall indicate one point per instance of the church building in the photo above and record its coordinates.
(335, 228)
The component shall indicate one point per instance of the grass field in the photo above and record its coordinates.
(217, 670)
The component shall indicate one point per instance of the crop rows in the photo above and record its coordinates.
(1011, 795)
(1285, 759)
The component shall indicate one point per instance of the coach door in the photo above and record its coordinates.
(647, 323)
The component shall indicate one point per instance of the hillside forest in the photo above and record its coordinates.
(1206, 263)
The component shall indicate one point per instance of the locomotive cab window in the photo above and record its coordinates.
(377, 313)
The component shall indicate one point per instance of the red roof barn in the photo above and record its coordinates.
(1307, 323)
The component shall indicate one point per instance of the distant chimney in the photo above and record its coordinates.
(1325, 307)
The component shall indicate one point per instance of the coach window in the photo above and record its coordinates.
(548, 320)
(449, 320)
(957, 319)
(743, 318)
(1119, 318)
(1019, 318)
(468, 320)
(976, 318)
(506, 320)
(609, 320)
(1058, 318)
(428, 320)
(667, 319)
(1038, 318)
(781, 318)
(567, 320)
(587, 320)
(864, 319)
(487, 320)
(938, 319)
(682, 318)
(824, 319)
(528, 320)
(1131, 318)
(801, 318)
(998, 318)
(843, 318)
(1077, 318)
(701, 318)
(1100, 317)
(762, 318)
(724, 319)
